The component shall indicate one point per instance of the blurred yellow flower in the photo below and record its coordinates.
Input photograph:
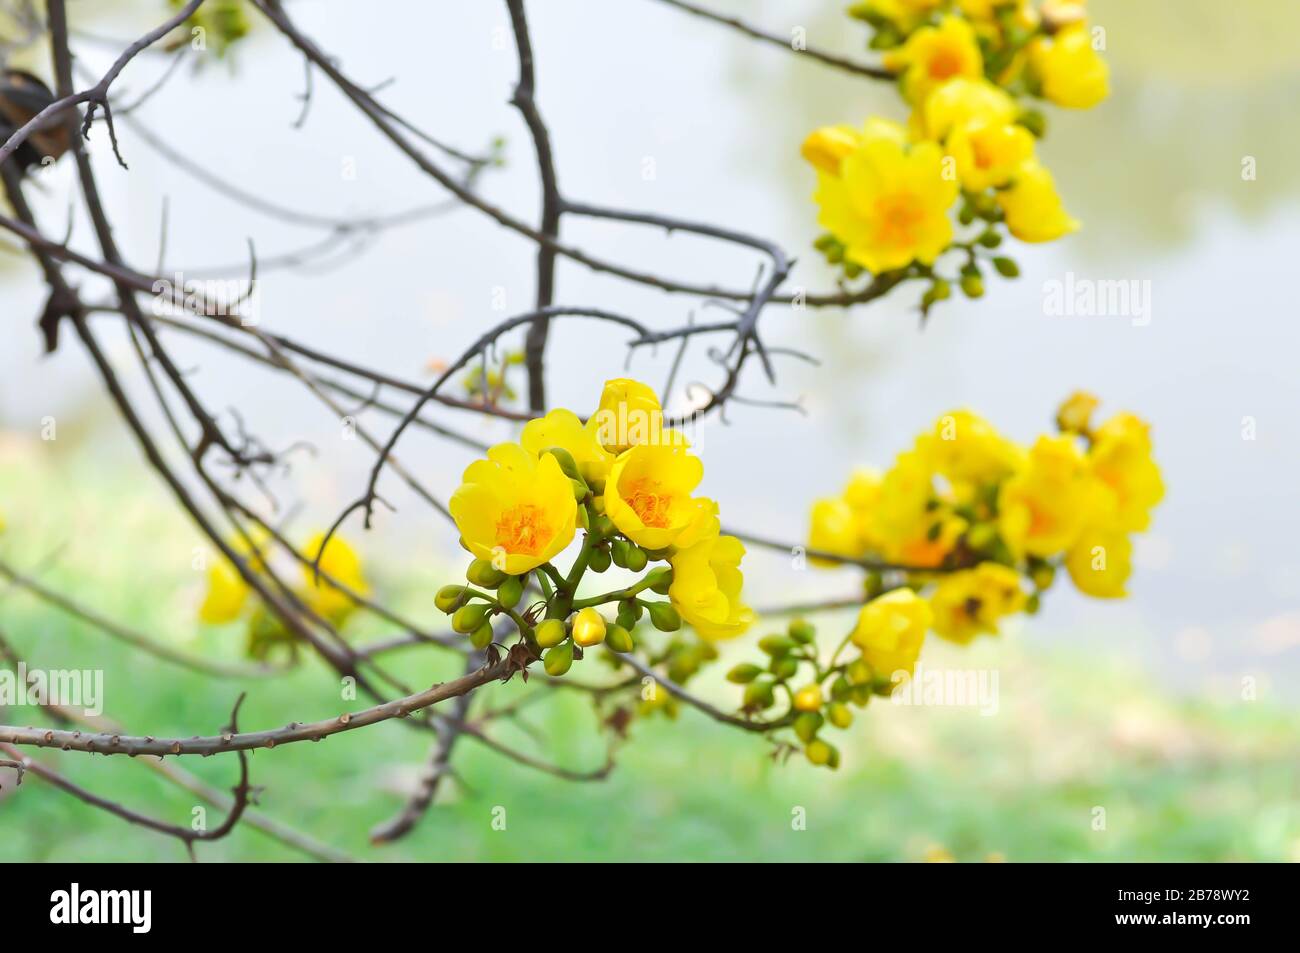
(226, 594)
(903, 504)
(340, 562)
(988, 155)
(961, 102)
(1121, 458)
(648, 495)
(845, 525)
(934, 55)
(1032, 207)
(1075, 413)
(515, 509)
(890, 631)
(965, 447)
(1070, 72)
(562, 428)
(706, 587)
(971, 602)
(1043, 507)
(889, 205)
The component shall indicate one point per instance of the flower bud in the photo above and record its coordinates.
(818, 752)
(559, 659)
(802, 631)
(784, 667)
(602, 525)
(599, 560)
(840, 715)
(808, 698)
(758, 694)
(841, 690)
(470, 617)
(776, 644)
(511, 591)
(580, 490)
(664, 617)
(860, 673)
(744, 673)
(618, 552)
(807, 725)
(550, 632)
(568, 466)
(588, 627)
(972, 286)
(481, 637)
(618, 639)
(660, 579)
(636, 558)
(450, 598)
(481, 572)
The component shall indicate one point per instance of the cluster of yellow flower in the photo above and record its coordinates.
(229, 597)
(628, 482)
(886, 193)
(953, 530)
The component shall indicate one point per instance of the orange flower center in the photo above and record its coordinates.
(523, 529)
(945, 63)
(899, 216)
(651, 507)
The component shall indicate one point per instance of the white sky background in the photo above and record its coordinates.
(1217, 592)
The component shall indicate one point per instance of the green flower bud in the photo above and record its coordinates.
(618, 639)
(664, 617)
(758, 694)
(481, 572)
(776, 644)
(840, 715)
(602, 525)
(1044, 574)
(580, 490)
(744, 673)
(841, 690)
(860, 673)
(618, 552)
(636, 558)
(568, 465)
(802, 631)
(599, 560)
(632, 608)
(807, 725)
(481, 637)
(991, 239)
(972, 286)
(550, 633)
(451, 598)
(1006, 267)
(862, 695)
(470, 617)
(660, 579)
(511, 591)
(818, 752)
(783, 667)
(559, 659)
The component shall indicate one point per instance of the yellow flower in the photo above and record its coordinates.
(972, 601)
(965, 447)
(906, 15)
(988, 155)
(890, 631)
(562, 428)
(706, 587)
(648, 496)
(1100, 562)
(1033, 209)
(961, 102)
(934, 55)
(825, 148)
(904, 501)
(1121, 458)
(1041, 509)
(1070, 72)
(1075, 414)
(889, 206)
(629, 415)
(834, 530)
(340, 562)
(226, 594)
(515, 509)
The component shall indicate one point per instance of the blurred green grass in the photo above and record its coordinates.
(1179, 779)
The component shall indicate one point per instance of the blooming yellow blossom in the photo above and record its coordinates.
(562, 428)
(629, 415)
(1070, 72)
(1100, 562)
(648, 496)
(989, 155)
(1121, 458)
(961, 102)
(903, 505)
(226, 595)
(965, 447)
(1043, 507)
(1032, 207)
(934, 55)
(515, 509)
(826, 148)
(889, 205)
(706, 587)
(339, 561)
(833, 530)
(890, 631)
(972, 601)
